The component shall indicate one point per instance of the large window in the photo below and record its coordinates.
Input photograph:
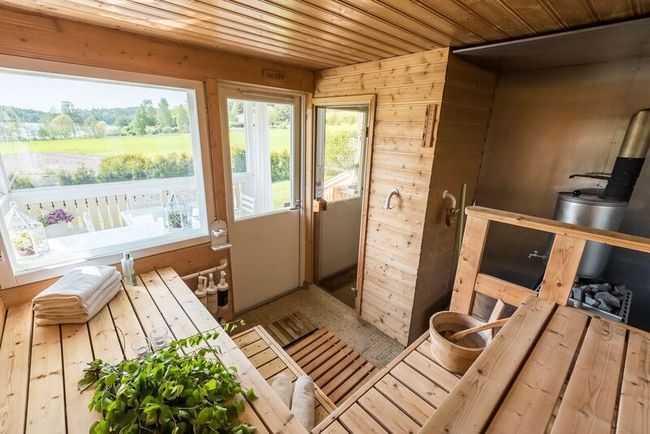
(93, 167)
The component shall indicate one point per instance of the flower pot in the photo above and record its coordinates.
(57, 230)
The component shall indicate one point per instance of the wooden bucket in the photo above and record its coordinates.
(456, 357)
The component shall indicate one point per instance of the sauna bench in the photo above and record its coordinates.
(402, 396)
(41, 365)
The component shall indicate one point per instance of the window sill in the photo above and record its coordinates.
(141, 244)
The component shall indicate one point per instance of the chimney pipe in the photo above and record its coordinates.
(629, 162)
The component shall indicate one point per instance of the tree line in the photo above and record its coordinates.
(69, 121)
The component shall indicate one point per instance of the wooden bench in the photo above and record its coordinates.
(404, 396)
(399, 398)
(270, 360)
(40, 366)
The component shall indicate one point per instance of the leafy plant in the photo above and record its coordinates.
(168, 392)
(23, 243)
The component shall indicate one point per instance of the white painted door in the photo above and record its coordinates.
(262, 141)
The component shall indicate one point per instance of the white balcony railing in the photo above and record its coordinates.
(100, 206)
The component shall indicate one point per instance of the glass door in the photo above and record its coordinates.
(262, 134)
(341, 148)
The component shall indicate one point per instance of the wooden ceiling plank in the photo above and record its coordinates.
(368, 13)
(225, 27)
(501, 18)
(573, 14)
(432, 17)
(313, 38)
(456, 12)
(235, 39)
(105, 17)
(326, 21)
(318, 28)
(535, 13)
(34, 35)
(609, 10)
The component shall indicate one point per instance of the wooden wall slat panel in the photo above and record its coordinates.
(390, 239)
(400, 243)
(34, 36)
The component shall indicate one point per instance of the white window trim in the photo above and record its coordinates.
(270, 95)
(9, 278)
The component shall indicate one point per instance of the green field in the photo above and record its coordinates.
(279, 138)
(145, 145)
(105, 146)
(281, 194)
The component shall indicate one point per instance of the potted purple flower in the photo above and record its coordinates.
(56, 222)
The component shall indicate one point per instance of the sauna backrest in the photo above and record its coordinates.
(561, 268)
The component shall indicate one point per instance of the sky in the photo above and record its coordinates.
(43, 92)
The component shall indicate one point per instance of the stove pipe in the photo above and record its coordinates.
(629, 162)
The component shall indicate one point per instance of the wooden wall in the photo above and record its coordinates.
(401, 242)
(55, 39)
(460, 142)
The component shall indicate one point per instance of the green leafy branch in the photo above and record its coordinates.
(183, 388)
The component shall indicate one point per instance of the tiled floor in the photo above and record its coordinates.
(326, 311)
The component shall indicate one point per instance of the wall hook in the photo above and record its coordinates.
(451, 212)
(393, 193)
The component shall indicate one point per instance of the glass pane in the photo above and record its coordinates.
(100, 164)
(341, 134)
(261, 137)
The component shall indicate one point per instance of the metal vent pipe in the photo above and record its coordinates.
(631, 157)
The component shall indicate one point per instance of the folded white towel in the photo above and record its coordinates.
(75, 317)
(283, 387)
(58, 305)
(78, 285)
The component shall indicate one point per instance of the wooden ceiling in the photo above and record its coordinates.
(326, 33)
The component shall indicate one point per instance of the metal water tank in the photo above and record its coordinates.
(593, 210)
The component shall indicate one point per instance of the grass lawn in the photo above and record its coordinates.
(146, 145)
(280, 138)
(281, 193)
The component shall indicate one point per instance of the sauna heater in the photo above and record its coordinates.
(605, 209)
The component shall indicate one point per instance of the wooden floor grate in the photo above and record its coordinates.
(335, 367)
(289, 329)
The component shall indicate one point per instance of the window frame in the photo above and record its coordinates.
(197, 108)
(242, 91)
(320, 132)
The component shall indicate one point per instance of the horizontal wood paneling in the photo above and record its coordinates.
(459, 148)
(61, 40)
(409, 249)
(329, 33)
(403, 86)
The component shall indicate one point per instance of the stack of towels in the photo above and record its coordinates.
(77, 296)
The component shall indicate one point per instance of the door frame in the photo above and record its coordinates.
(310, 252)
(227, 89)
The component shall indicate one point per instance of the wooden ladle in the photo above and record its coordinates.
(488, 325)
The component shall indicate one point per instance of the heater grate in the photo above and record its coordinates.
(621, 316)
